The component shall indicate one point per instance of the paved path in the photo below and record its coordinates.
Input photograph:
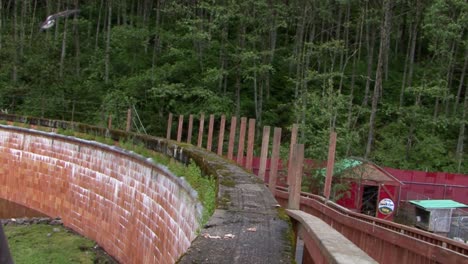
(246, 226)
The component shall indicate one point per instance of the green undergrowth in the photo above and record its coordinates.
(42, 243)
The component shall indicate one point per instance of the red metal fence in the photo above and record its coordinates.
(421, 185)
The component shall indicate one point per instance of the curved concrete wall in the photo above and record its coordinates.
(136, 210)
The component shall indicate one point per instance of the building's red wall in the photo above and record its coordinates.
(433, 185)
(136, 211)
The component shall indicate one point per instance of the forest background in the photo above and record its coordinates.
(388, 76)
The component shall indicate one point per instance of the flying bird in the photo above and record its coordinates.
(50, 20)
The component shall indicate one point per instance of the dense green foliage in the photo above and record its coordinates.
(388, 76)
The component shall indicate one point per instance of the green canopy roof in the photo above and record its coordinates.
(432, 204)
(341, 166)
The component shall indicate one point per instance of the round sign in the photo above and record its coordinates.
(386, 206)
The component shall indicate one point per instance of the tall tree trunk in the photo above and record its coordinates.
(57, 25)
(22, 28)
(107, 56)
(460, 85)
(273, 35)
(384, 39)
(450, 68)
(370, 63)
(77, 41)
(344, 54)
(33, 20)
(1, 24)
(405, 74)
(461, 134)
(238, 70)
(157, 40)
(98, 25)
(14, 75)
(64, 48)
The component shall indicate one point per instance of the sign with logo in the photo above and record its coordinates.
(386, 206)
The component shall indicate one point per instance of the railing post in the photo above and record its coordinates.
(190, 128)
(200, 130)
(330, 165)
(296, 177)
(129, 120)
(179, 129)
(109, 122)
(274, 159)
(210, 133)
(264, 152)
(291, 145)
(221, 135)
(250, 144)
(240, 148)
(169, 126)
(232, 138)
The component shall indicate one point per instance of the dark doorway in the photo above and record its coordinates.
(369, 200)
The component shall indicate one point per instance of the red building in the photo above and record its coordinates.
(370, 189)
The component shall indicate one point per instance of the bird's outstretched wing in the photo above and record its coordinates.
(63, 13)
(50, 20)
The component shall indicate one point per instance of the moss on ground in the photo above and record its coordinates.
(42, 243)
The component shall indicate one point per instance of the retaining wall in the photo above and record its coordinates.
(136, 210)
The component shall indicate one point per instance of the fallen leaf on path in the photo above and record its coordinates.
(210, 236)
(227, 236)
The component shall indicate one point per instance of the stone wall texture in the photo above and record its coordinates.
(136, 210)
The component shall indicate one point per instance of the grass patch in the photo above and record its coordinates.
(38, 243)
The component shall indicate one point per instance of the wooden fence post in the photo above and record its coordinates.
(240, 147)
(232, 137)
(109, 122)
(221, 135)
(200, 130)
(330, 165)
(274, 159)
(250, 144)
(264, 152)
(190, 128)
(296, 177)
(169, 126)
(129, 120)
(179, 129)
(293, 142)
(210, 133)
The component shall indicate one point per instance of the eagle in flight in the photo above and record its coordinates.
(50, 20)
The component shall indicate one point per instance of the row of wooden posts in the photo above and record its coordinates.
(296, 151)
